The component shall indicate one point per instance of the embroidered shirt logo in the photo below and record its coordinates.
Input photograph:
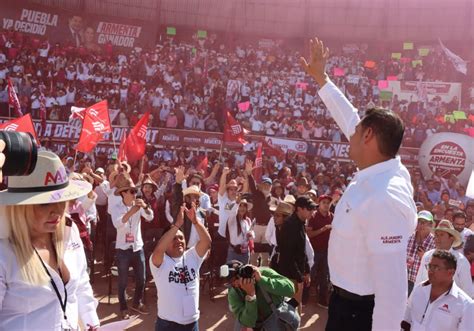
(445, 308)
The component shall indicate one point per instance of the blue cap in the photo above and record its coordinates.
(266, 180)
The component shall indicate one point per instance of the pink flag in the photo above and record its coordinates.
(470, 131)
(383, 84)
(302, 85)
(392, 78)
(244, 106)
(339, 72)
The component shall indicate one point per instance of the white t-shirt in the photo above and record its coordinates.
(177, 284)
(225, 209)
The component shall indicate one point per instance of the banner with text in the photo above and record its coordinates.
(423, 91)
(76, 29)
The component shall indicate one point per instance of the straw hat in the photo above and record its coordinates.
(290, 199)
(248, 203)
(149, 181)
(193, 189)
(232, 183)
(284, 208)
(447, 226)
(124, 183)
(48, 183)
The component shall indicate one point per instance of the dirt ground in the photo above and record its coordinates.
(214, 314)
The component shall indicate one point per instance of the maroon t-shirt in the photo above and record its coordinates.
(321, 241)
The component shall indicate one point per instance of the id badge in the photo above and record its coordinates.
(65, 325)
(129, 238)
(189, 306)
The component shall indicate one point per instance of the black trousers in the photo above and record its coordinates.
(349, 315)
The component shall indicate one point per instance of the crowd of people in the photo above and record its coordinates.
(169, 214)
(188, 85)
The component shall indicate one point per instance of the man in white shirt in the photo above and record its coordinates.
(446, 237)
(459, 223)
(438, 304)
(374, 218)
(176, 274)
(126, 217)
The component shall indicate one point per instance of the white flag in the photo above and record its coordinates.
(456, 60)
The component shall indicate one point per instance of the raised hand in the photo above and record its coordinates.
(191, 213)
(316, 67)
(180, 217)
(179, 174)
(248, 167)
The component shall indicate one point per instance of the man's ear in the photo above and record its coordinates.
(368, 135)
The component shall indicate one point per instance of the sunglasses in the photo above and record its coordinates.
(132, 191)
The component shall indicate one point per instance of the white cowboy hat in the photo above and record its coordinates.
(48, 183)
(193, 189)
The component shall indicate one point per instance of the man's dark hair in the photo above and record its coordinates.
(388, 129)
(448, 258)
(459, 214)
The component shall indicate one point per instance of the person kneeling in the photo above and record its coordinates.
(257, 298)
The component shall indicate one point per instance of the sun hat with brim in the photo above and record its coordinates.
(289, 199)
(193, 189)
(447, 226)
(232, 183)
(249, 204)
(124, 184)
(48, 183)
(149, 181)
(425, 215)
(284, 208)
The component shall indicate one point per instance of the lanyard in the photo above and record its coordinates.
(63, 305)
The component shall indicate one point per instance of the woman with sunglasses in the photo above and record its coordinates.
(43, 270)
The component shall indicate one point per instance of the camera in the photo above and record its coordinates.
(21, 153)
(242, 271)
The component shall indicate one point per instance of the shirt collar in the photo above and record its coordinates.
(378, 168)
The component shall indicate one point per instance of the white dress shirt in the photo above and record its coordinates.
(462, 276)
(28, 307)
(451, 311)
(372, 224)
(132, 226)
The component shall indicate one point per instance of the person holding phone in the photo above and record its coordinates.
(126, 217)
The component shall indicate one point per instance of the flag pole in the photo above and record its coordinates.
(74, 163)
(113, 140)
(220, 152)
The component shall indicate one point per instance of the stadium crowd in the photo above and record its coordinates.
(187, 87)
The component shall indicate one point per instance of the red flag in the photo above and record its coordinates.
(258, 165)
(13, 99)
(121, 154)
(21, 124)
(99, 112)
(271, 150)
(203, 165)
(233, 131)
(136, 140)
(91, 134)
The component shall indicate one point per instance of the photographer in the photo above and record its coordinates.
(255, 294)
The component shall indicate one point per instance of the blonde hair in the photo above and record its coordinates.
(20, 219)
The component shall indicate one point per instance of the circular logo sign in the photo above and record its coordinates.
(300, 147)
(447, 157)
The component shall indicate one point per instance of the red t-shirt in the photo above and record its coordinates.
(321, 241)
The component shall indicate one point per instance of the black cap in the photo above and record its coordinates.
(445, 192)
(305, 202)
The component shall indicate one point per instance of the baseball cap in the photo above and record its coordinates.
(324, 196)
(99, 171)
(305, 202)
(266, 180)
(445, 192)
(425, 215)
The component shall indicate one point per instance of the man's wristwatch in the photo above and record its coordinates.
(250, 298)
